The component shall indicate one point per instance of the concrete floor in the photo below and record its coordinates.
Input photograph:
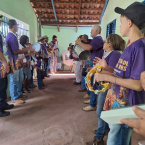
(53, 116)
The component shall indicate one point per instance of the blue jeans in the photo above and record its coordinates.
(102, 125)
(31, 80)
(119, 135)
(3, 94)
(40, 81)
(16, 81)
(48, 65)
(93, 96)
(88, 92)
(83, 84)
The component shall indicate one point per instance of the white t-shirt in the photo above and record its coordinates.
(21, 55)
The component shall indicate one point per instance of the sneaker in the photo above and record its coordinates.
(31, 87)
(18, 101)
(41, 88)
(34, 86)
(48, 76)
(86, 96)
(87, 102)
(89, 108)
(23, 96)
(8, 106)
(28, 90)
(82, 90)
(4, 113)
(76, 83)
(24, 91)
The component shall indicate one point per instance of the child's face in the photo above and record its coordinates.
(124, 27)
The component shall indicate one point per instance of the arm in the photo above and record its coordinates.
(102, 62)
(138, 125)
(15, 47)
(142, 79)
(24, 50)
(29, 54)
(109, 69)
(128, 83)
(38, 68)
(106, 72)
(83, 45)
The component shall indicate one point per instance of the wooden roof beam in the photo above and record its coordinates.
(57, 14)
(79, 14)
(60, 24)
(95, 15)
(79, 10)
(34, 1)
(50, 8)
(58, 19)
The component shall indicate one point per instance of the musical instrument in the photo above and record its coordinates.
(82, 54)
(10, 64)
(50, 52)
(37, 47)
(96, 69)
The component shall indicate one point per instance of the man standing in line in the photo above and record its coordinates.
(13, 51)
(96, 48)
(4, 68)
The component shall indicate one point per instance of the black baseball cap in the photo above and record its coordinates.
(135, 12)
(1, 16)
(12, 22)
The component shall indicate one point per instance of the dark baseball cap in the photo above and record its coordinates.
(1, 16)
(135, 12)
(12, 22)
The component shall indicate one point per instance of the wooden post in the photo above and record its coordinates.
(39, 25)
(58, 27)
(77, 29)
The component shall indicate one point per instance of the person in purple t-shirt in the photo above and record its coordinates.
(44, 51)
(13, 51)
(40, 69)
(96, 45)
(96, 48)
(126, 89)
(49, 58)
(114, 45)
(4, 69)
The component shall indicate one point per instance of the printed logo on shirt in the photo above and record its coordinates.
(122, 64)
(113, 102)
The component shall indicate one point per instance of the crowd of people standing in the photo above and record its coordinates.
(18, 59)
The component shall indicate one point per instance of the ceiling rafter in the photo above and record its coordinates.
(49, 2)
(46, 23)
(69, 12)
